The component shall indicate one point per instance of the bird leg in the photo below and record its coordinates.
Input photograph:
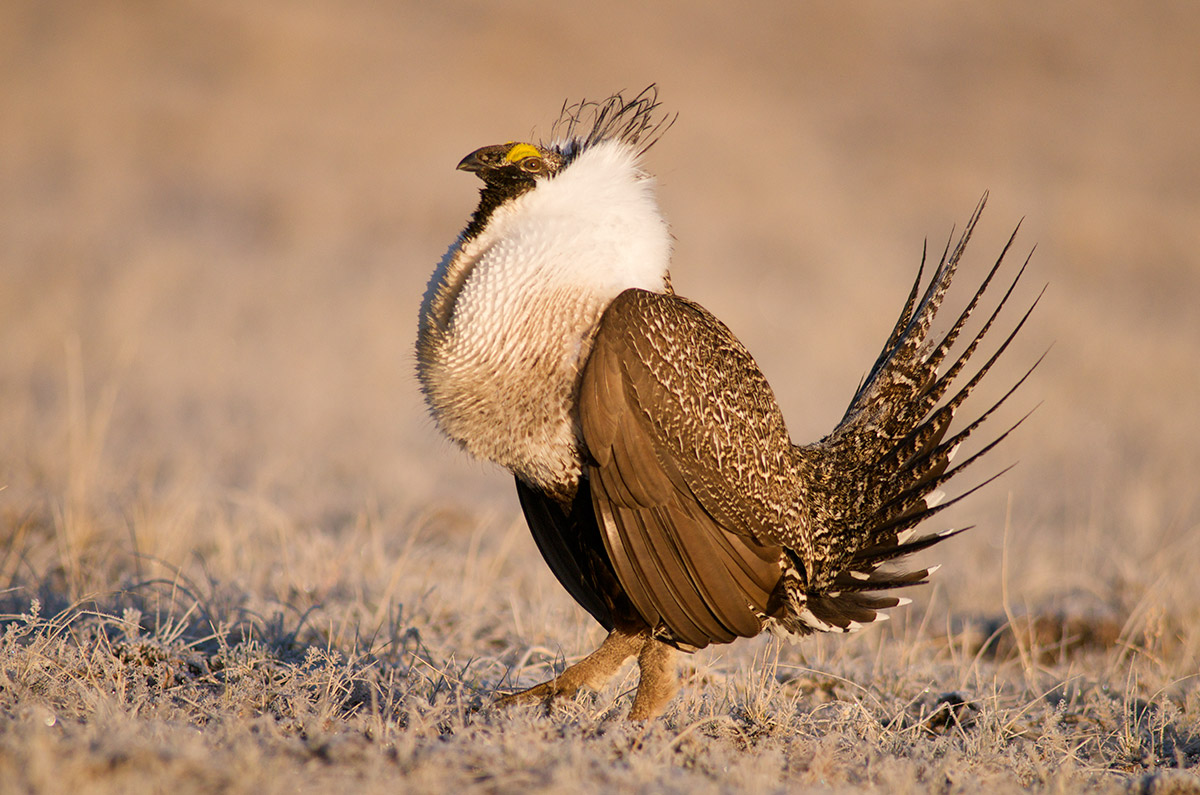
(655, 661)
(657, 683)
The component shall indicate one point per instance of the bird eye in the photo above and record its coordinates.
(534, 165)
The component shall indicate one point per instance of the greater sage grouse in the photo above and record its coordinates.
(652, 462)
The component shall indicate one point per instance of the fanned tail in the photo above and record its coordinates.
(878, 474)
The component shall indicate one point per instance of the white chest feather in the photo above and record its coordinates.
(510, 315)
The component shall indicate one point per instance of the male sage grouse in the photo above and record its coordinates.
(652, 462)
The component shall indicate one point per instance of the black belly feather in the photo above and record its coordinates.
(570, 542)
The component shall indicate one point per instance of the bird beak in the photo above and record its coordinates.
(470, 162)
(476, 162)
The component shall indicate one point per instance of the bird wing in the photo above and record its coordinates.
(687, 449)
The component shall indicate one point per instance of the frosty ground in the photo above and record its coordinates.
(235, 555)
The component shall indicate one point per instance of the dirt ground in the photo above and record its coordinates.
(235, 554)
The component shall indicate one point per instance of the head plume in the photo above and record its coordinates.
(637, 122)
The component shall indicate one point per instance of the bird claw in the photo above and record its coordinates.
(544, 692)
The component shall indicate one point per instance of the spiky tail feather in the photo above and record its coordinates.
(877, 476)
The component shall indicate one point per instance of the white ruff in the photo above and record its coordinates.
(502, 375)
(595, 229)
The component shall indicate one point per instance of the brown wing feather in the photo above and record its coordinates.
(684, 438)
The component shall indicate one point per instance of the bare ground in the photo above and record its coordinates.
(235, 555)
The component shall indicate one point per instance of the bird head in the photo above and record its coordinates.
(512, 170)
(514, 166)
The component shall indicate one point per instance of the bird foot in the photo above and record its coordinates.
(655, 660)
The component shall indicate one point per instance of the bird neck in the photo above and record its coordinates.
(491, 196)
(594, 229)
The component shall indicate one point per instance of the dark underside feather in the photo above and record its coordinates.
(569, 540)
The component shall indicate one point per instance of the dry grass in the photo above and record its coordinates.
(234, 554)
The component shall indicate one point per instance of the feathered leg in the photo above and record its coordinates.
(656, 664)
(657, 683)
(592, 671)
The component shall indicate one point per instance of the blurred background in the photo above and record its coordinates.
(217, 220)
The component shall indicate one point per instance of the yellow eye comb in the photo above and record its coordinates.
(521, 151)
